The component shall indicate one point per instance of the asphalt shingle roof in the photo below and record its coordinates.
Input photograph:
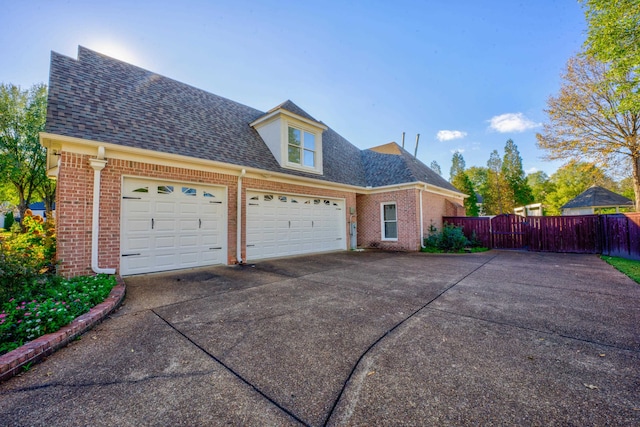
(389, 169)
(597, 197)
(103, 99)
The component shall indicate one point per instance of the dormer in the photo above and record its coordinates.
(293, 136)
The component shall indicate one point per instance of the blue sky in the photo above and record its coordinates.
(465, 75)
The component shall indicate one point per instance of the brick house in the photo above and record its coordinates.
(156, 175)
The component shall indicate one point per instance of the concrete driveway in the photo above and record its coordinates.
(369, 338)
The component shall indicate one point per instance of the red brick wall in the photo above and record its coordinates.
(435, 206)
(369, 224)
(73, 214)
(75, 204)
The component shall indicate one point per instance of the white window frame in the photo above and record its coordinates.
(382, 222)
(302, 147)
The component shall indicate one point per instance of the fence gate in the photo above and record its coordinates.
(509, 232)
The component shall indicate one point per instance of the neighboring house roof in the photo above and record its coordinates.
(597, 197)
(102, 99)
(39, 206)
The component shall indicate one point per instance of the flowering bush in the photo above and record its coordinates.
(26, 253)
(39, 310)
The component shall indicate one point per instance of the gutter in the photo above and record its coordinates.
(421, 223)
(97, 164)
(239, 219)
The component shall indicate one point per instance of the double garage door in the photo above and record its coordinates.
(284, 224)
(171, 225)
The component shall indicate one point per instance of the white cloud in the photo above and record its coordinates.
(448, 135)
(511, 122)
(457, 150)
(531, 170)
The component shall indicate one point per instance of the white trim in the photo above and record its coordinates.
(97, 164)
(122, 152)
(421, 223)
(382, 222)
(239, 219)
(280, 111)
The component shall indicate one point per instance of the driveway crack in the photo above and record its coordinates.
(233, 372)
(391, 330)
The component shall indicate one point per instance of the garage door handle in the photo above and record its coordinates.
(152, 223)
(199, 223)
(220, 247)
(131, 254)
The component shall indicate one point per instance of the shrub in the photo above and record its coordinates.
(8, 220)
(25, 256)
(450, 239)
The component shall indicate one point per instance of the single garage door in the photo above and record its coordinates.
(284, 224)
(171, 225)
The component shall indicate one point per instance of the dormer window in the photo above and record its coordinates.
(302, 147)
(293, 137)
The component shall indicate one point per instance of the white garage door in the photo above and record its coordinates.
(282, 224)
(170, 225)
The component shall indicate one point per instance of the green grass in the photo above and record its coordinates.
(627, 266)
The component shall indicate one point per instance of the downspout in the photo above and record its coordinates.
(97, 164)
(239, 219)
(421, 222)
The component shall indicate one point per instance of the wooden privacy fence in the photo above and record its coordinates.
(614, 234)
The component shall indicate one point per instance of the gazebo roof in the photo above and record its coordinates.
(597, 197)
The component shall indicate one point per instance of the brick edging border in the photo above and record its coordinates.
(36, 350)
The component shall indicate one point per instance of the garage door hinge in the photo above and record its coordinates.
(132, 198)
(131, 254)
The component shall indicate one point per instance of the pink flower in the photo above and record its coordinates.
(2, 316)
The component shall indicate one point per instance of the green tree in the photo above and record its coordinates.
(571, 180)
(585, 122)
(518, 190)
(457, 165)
(625, 187)
(478, 176)
(436, 167)
(540, 185)
(464, 184)
(613, 37)
(22, 158)
(461, 181)
(495, 201)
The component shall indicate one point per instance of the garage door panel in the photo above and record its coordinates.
(280, 225)
(138, 225)
(166, 207)
(138, 243)
(188, 208)
(169, 226)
